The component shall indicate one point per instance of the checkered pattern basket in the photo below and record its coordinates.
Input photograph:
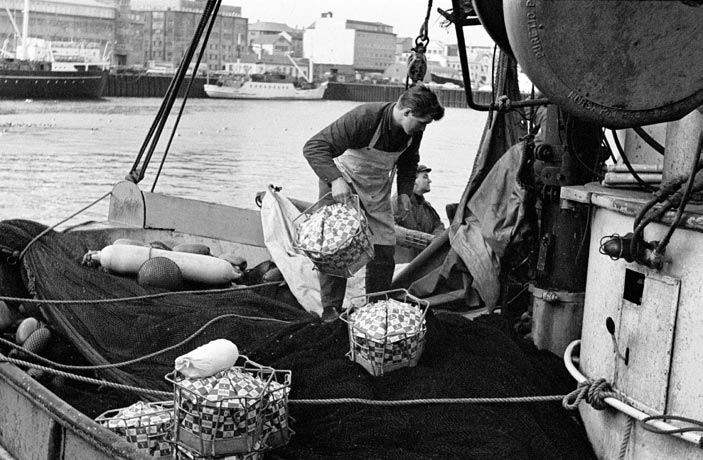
(335, 237)
(237, 411)
(144, 425)
(386, 334)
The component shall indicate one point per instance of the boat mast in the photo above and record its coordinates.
(295, 64)
(22, 50)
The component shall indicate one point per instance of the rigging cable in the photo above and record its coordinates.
(136, 174)
(417, 61)
(213, 17)
(625, 160)
(661, 247)
(649, 139)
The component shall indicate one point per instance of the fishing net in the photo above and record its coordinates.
(461, 359)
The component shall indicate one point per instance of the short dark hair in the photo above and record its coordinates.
(422, 102)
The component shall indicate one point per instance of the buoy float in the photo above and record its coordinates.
(234, 259)
(272, 275)
(194, 248)
(25, 329)
(129, 242)
(126, 260)
(38, 340)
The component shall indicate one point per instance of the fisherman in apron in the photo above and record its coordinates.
(358, 154)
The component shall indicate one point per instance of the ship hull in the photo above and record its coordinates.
(265, 90)
(36, 84)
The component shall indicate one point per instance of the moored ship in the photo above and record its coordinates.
(39, 69)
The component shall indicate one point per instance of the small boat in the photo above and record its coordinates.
(40, 69)
(269, 85)
(448, 80)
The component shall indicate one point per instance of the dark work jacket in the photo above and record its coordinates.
(422, 216)
(354, 130)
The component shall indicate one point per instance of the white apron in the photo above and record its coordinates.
(369, 171)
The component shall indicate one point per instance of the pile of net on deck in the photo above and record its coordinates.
(462, 359)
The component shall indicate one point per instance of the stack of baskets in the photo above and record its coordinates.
(238, 413)
(386, 333)
(335, 237)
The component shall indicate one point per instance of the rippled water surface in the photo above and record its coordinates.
(58, 157)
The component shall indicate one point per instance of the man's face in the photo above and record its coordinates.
(412, 124)
(422, 183)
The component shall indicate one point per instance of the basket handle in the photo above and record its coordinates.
(354, 197)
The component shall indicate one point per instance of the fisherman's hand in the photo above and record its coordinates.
(341, 192)
(403, 207)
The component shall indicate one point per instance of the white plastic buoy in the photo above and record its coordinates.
(126, 259)
(25, 329)
(208, 359)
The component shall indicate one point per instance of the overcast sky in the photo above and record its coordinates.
(406, 16)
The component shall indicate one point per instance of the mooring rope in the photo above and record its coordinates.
(594, 392)
(626, 438)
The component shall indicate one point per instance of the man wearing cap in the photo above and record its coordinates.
(357, 154)
(421, 216)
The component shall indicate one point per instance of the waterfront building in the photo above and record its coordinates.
(275, 38)
(169, 26)
(349, 48)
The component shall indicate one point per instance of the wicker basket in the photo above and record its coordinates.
(146, 426)
(335, 237)
(386, 334)
(238, 411)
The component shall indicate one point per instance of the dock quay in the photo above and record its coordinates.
(157, 85)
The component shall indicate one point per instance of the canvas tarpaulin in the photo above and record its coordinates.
(463, 270)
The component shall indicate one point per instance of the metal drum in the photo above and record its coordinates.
(615, 63)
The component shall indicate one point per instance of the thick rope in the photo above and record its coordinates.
(136, 360)
(626, 438)
(81, 378)
(594, 392)
(416, 402)
(307, 402)
(141, 297)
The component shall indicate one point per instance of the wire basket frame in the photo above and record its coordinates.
(386, 352)
(245, 411)
(352, 244)
(145, 425)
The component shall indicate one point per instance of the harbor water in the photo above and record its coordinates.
(60, 156)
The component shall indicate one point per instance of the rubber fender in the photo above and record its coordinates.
(256, 274)
(25, 329)
(160, 272)
(272, 275)
(126, 260)
(129, 242)
(159, 245)
(193, 248)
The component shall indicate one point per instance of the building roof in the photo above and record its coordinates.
(271, 39)
(261, 26)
